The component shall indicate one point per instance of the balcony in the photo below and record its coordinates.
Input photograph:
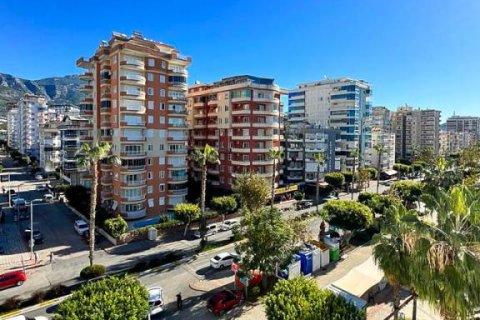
(199, 137)
(240, 99)
(213, 171)
(131, 215)
(261, 150)
(266, 99)
(132, 198)
(177, 152)
(241, 111)
(240, 162)
(133, 154)
(266, 112)
(132, 109)
(180, 112)
(134, 183)
(133, 168)
(199, 104)
(86, 100)
(262, 162)
(240, 137)
(177, 85)
(133, 139)
(178, 179)
(177, 99)
(106, 180)
(266, 137)
(133, 79)
(135, 64)
(266, 124)
(240, 150)
(86, 76)
(177, 125)
(178, 192)
(241, 125)
(212, 102)
(86, 88)
(132, 124)
(137, 94)
(182, 72)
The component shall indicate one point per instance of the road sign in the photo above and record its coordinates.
(234, 267)
(244, 280)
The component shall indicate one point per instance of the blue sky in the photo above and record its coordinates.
(424, 53)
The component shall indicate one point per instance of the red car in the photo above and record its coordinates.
(223, 301)
(11, 279)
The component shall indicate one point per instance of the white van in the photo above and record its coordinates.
(211, 230)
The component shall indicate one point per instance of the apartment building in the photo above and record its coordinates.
(13, 128)
(463, 131)
(415, 130)
(135, 96)
(342, 104)
(240, 117)
(301, 143)
(382, 134)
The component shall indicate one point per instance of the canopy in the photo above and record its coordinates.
(390, 172)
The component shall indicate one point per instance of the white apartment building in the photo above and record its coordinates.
(13, 128)
(382, 134)
(342, 104)
(462, 132)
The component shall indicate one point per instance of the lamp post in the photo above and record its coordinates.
(31, 223)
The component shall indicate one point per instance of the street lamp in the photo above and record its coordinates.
(31, 223)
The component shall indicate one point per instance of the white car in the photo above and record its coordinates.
(39, 177)
(211, 230)
(48, 197)
(229, 225)
(223, 260)
(80, 226)
(156, 300)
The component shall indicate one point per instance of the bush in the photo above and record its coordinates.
(90, 272)
(298, 195)
(224, 205)
(373, 172)
(335, 179)
(38, 296)
(116, 226)
(11, 303)
(346, 214)
(348, 176)
(56, 291)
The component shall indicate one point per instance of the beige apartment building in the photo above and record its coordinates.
(415, 130)
(239, 116)
(382, 133)
(135, 96)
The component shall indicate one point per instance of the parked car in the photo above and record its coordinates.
(156, 300)
(38, 177)
(328, 198)
(19, 204)
(223, 260)
(223, 301)
(37, 235)
(40, 187)
(387, 183)
(229, 225)
(80, 226)
(304, 204)
(211, 230)
(12, 279)
(48, 197)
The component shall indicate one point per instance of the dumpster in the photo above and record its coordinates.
(306, 262)
(152, 234)
(292, 270)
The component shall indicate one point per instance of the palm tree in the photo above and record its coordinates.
(319, 158)
(275, 155)
(380, 148)
(89, 157)
(202, 159)
(354, 154)
(452, 252)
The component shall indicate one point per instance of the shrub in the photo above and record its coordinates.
(95, 271)
(224, 205)
(116, 226)
(335, 179)
(346, 214)
(348, 176)
(56, 291)
(299, 195)
(38, 296)
(11, 303)
(373, 172)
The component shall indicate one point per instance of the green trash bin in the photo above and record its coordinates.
(334, 254)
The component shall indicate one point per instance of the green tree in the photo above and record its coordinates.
(363, 177)
(271, 241)
(274, 155)
(380, 148)
(224, 205)
(110, 298)
(300, 298)
(253, 191)
(202, 158)
(355, 154)
(89, 157)
(347, 214)
(408, 191)
(319, 158)
(335, 179)
(402, 169)
(186, 212)
(116, 226)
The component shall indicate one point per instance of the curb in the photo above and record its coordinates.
(34, 307)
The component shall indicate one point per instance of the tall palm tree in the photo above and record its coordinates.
(89, 157)
(319, 158)
(380, 148)
(202, 159)
(275, 155)
(453, 254)
(354, 154)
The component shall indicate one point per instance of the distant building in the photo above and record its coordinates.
(462, 132)
(382, 134)
(342, 104)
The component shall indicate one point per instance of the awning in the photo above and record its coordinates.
(390, 172)
(361, 278)
(359, 303)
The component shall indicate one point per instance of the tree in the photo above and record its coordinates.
(300, 298)
(224, 205)
(408, 191)
(116, 226)
(402, 169)
(363, 177)
(380, 148)
(452, 254)
(274, 155)
(202, 159)
(347, 214)
(378, 203)
(186, 212)
(89, 157)
(354, 154)
(253, 191)
(271, 241)
(319, 158)
(335, 179)
(110, 298)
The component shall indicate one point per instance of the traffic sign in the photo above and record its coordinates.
(234, 267)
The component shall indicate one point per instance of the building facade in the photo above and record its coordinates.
(239, 117)
(462, 132)
(415, 130)
(342, 104)
(382, 134)
(135, 97)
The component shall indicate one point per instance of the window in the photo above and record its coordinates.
(150, 203)
(149, 147)
(161, 173)
(150, 119)
(162, 106)
(150, 91)
(161, 160)
(114, 103)
(149, 162)
(222, 156)
(149, 133)
(226, 108)
(162, 78)
(150, 105)
(162, 147)
(161, 201)
(162, 120)
(164, 65)
(149, 189)
(226, 120)
(149, 175)
(161, 133)
(151, 62)
(150, 76)
(162, 92)
(161, 187)
(226, 96)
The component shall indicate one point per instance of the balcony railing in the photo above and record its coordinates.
(133, 183)
(130, 215)
(178, 178)
(132, 153)
(134, 168)
(178, 192)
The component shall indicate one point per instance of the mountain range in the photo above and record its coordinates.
(55, 89)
